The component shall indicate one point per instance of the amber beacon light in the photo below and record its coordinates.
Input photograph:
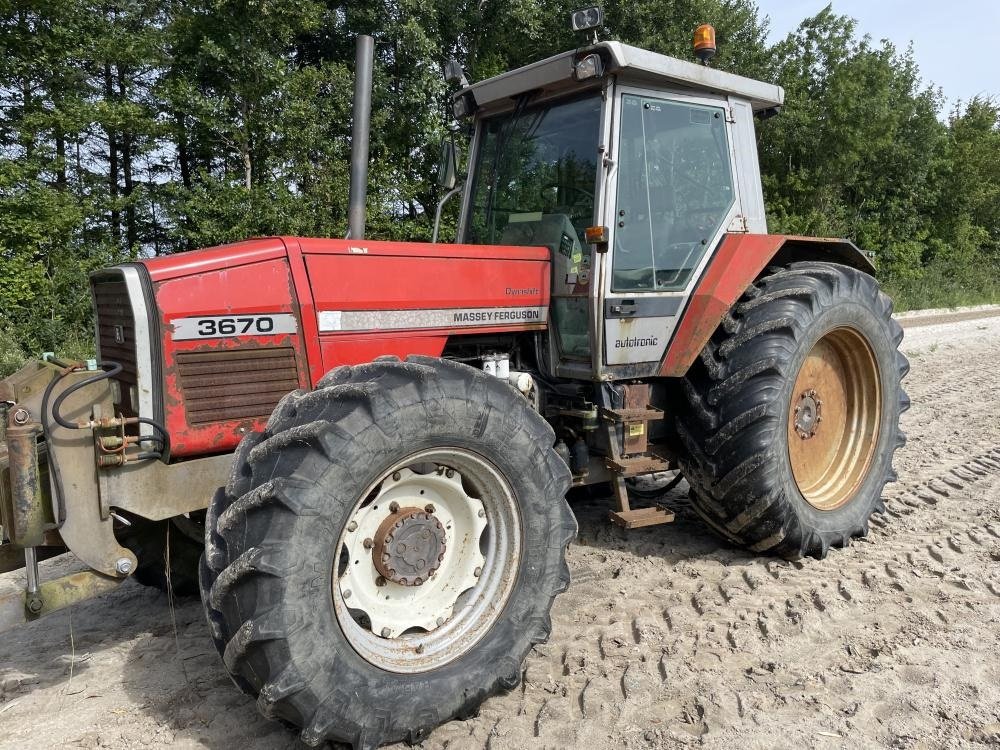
(704, 43)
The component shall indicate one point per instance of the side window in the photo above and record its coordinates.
(675, 188)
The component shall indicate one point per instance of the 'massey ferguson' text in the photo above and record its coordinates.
(497, 316)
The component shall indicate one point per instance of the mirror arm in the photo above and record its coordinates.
(437, 216)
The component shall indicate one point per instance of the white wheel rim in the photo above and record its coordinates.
(415, 628)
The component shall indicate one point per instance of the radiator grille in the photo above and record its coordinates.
(235, 384)
(116, 335)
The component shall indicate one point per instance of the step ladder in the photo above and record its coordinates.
(630, 456)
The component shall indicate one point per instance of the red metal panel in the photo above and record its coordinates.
(222, 289)
(315, 245)
(387, 276)
(214, 258)
(738, 261)
(302, 276)
(415, 282)
(354, 349)
(307, 308)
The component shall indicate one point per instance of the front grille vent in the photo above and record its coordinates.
(235, 384)
(116, 336)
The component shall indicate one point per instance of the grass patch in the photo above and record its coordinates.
(940, 289)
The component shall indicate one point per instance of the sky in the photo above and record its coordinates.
(955, 42)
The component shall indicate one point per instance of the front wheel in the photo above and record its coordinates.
(386, 553)
(792, 412)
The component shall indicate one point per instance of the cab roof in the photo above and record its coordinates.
(632, 65)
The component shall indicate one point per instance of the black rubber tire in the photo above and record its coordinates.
(271, 538)
(737, 397)
(148, 542)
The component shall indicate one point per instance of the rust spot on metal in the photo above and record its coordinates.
(28, 516)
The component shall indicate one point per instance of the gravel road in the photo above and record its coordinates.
(667, 637)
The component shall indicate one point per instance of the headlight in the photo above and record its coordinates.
(589, 67)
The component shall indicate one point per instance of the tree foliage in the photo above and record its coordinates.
(146, 127)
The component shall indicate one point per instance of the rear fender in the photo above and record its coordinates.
(740, 259)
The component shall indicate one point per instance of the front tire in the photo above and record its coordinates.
(791, 415)
(309, 535)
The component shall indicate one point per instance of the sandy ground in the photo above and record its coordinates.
(667, 637)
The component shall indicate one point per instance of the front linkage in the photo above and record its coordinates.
(66, 458)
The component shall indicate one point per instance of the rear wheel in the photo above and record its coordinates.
(387, 551)
(792, 412)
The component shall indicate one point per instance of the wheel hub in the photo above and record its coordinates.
(808, 414)
(407, 567)
(409, 546)
(830, 464)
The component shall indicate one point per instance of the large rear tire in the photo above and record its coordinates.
(388, 473)
(791, 415)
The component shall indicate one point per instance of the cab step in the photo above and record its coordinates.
(633, 466)
(638, 517)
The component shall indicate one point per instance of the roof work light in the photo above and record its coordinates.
(704, 43)
(587, 18)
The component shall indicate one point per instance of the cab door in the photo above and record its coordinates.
(675, 194)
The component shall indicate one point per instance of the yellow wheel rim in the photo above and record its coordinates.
(833, 418)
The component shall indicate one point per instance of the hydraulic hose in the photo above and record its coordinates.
(109, 370)
(115, 369)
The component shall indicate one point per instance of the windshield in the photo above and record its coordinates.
(536, 166)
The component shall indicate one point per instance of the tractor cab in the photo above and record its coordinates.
(630, 166)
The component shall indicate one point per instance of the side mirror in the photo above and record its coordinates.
(447, 174)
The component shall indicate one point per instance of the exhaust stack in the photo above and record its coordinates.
(360, 126)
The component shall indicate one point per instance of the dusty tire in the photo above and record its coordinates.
(149, 542)
(743, 438)
(272, 573)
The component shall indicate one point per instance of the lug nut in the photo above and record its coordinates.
(440, 621)
(352, 526)
(429, 508)
(393, 506)
(21, 416)
(380, 581)
(34, 605)
(123, 566)
(368, 543)
(347, 593)
(395, 476)
(386, 632)
(449, 473)
(482, 513)
(477, 572)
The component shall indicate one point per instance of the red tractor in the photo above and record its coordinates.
(395, 426)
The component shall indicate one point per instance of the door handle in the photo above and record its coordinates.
(624, 308)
